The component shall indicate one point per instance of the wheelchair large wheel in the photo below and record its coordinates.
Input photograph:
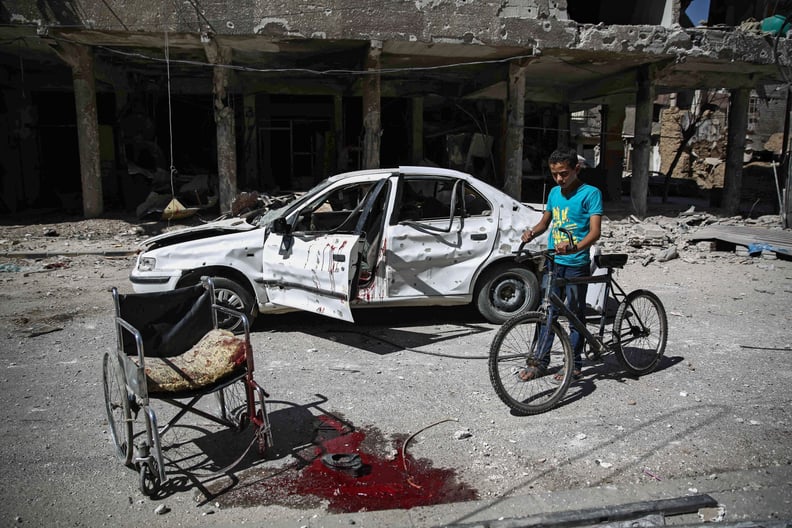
(232, 403)
(640, 331)
(513, 355)
(119, 415)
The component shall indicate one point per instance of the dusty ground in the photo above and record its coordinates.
(720, 400)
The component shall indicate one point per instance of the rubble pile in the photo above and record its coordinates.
(663, 238)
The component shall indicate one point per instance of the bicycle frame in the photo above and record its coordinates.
(612, 289)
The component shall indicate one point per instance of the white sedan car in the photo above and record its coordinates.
(408, 236)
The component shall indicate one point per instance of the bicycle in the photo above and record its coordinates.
(638, 337)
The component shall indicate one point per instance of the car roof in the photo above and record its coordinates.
(404, 169)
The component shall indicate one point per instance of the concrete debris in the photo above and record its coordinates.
(695, 237)
(9, 268)
(41, 329)
(709, 515)
(462, 434)
(667, 254)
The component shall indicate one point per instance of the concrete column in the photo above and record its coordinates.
(251, 142)
(224, 121)
(738, 126)
(372, 118)
(416, 137)
(80, 58)
(612, 147)
(642, 142)
(515, 122)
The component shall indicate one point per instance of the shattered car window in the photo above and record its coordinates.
(427, 198)
(337, 210)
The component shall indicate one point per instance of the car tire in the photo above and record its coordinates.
(233, 295)
(505, 291)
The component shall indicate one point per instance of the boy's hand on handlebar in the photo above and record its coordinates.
(527, 235)
(566, 248)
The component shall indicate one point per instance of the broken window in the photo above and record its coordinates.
(336, 210)
(428, 198)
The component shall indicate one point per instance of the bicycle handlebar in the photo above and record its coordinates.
(520, 258)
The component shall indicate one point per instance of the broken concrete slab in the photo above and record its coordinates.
(774, 240)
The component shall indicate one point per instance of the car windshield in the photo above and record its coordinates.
(272, 214)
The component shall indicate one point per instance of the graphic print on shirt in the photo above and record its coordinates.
(561, 220)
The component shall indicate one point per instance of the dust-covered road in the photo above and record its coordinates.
(720, 400)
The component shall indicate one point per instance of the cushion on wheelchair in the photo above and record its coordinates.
(616, 260)
(218, 354)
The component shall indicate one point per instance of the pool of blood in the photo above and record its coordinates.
(388, 479)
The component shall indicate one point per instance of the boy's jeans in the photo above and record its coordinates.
(575, 300)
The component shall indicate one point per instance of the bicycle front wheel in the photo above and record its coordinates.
(515, 355)
(640, 331)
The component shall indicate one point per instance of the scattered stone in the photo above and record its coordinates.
(667, 254)
(161, 509)
(706, 245)
(709, 515)
(462, 434)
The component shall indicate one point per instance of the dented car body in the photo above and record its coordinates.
(408, 236)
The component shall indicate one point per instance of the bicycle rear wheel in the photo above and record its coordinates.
(514, 348)
(640, 331)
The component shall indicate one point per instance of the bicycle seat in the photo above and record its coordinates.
(615, 260)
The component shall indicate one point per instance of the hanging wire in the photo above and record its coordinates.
(170, 114)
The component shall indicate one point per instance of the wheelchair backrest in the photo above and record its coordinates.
(169, 322)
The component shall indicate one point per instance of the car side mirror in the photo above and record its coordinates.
(280, 226)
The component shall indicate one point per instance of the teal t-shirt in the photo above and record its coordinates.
(573, 213)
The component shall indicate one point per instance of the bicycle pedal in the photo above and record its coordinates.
(594, 356)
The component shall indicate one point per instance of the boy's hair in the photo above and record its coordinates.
(564, 154)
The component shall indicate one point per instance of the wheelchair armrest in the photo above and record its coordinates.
(136, 381)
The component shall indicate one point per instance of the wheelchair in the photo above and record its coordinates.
(171, 347)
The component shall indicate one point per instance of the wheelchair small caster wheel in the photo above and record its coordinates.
(149, 480)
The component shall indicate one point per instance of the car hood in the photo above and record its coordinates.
(211, 229)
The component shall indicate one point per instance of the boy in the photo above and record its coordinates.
(576, 207)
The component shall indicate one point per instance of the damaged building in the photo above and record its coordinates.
(105, 102)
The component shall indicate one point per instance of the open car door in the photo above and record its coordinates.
(317, 270)
(311, 272)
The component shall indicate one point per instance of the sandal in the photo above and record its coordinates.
(558, 377)
(530, 372)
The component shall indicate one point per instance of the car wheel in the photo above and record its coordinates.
(506, 291)
(233, 295)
